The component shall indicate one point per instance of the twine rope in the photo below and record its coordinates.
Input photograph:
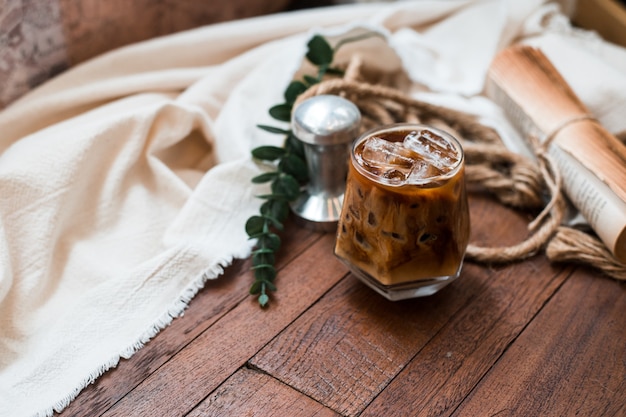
(512, 179)
(581, 118)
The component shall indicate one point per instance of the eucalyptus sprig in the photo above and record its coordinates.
(290, 169)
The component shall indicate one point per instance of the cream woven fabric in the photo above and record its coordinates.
(125, 182)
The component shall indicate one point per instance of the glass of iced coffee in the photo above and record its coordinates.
(404, 225)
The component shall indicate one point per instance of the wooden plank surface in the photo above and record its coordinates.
(447, 368)
(350, 346)
(250, 393)
(570, 361)
(528, 338)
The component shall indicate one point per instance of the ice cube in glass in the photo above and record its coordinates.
(405, 238)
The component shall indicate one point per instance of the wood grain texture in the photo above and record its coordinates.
(251, 393)
(570, 361)
(347, 348)
(447, 368)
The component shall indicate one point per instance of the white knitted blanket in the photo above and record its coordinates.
(125, 182)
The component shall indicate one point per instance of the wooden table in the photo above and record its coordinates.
(527, 339)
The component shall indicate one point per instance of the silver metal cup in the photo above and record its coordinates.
(327, 125)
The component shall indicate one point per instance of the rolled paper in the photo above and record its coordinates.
(544, 108)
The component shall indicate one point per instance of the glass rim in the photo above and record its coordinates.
(434, 180)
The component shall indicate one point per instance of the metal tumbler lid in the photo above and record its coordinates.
(326, 120)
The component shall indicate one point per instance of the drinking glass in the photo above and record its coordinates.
(404, 225)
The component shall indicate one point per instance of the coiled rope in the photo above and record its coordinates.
(512, 179)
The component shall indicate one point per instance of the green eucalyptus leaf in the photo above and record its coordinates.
(270, 286)
(255, 288)
(262, 250)
(262, 266)
(267, 177)
(310, 80)
(273, 196)
(295, 166)
(273, 129)
(320, 52)
(286, 185)
(294, 145)
(255, 225)
(335, 71)
(294, 89)
(257, 235)
(276, 209)
(270, 241)
(263, 300)
(268, 153)
(321, 71)
(274, 222)
(281, 112)
(266, 208)
(259, 258)
(265, 273)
